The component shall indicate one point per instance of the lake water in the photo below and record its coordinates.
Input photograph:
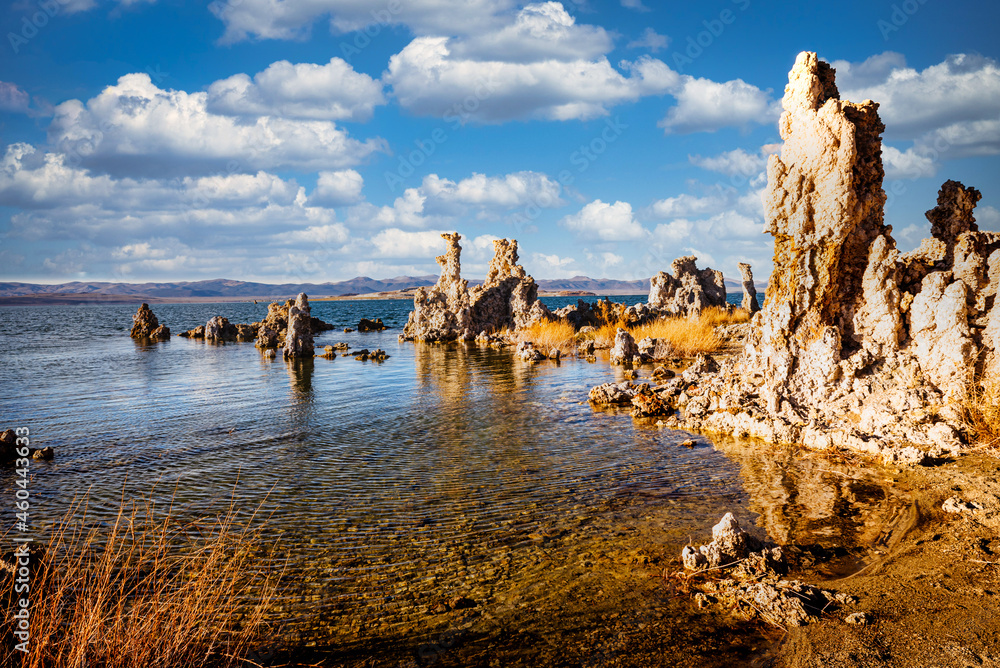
(446, 471)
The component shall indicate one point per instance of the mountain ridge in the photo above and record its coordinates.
(230, 288)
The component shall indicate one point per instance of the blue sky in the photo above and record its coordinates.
(315, 140)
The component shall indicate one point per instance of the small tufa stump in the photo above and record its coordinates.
(146, 326)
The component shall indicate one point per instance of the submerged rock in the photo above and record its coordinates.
(146, 326)
(688, 290)
(9, 449)
(366, 325)
(613, 393)
(450, 310)
(196, 333)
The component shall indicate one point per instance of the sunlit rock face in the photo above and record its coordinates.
(450, 310)
(856, 344)
(686, 290)
(750, 302)
(299, 338)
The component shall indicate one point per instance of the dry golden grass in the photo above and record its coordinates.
(982, 411)
(149, 591)
(547, 336)
(716, 316)
(689, 336)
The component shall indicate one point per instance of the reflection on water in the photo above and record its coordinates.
(300, 373)
(449, 488)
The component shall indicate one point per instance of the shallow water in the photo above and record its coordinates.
(446, 471)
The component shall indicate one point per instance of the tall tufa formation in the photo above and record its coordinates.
(857, 345)
(749, 289)
(450, 310)
(688, 290)
(299, 336)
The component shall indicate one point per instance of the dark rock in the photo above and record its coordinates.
(367, 325)
(196, 333)
(146, 326)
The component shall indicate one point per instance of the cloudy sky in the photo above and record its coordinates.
(315, 140)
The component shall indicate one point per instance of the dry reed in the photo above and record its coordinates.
(149, 590)
(548, 336)
(688, 336)
(982, 410)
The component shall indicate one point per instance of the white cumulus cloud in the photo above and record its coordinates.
(134, 127)
(334, 91)
(340, 187)
(704, 105)
(607, 222)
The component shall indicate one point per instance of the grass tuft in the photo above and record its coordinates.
(689, 336)
(548, 336)
(982, 409)
(148, 590)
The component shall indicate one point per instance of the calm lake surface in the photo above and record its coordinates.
(448, 471)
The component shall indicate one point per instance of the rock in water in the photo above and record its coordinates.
(146, 326)
(220, 330)
(299, 338)
(625, 350)
(526, 351)
(613, 393)
(449, 310)
(689, 290)
(376, 325)
(857, 345)
(749, 289)
(273, 329)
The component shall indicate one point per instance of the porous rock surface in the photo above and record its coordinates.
(749, 289)
(299, 336)
(625, 350)
(450, 311)
(146, 326)
(752, 578)
(219, 330)
(857, 345)
(272, 331)
(687, 290)
(613, 393)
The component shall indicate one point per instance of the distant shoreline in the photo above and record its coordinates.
(74, 299)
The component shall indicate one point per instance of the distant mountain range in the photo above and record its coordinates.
(229, 289)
